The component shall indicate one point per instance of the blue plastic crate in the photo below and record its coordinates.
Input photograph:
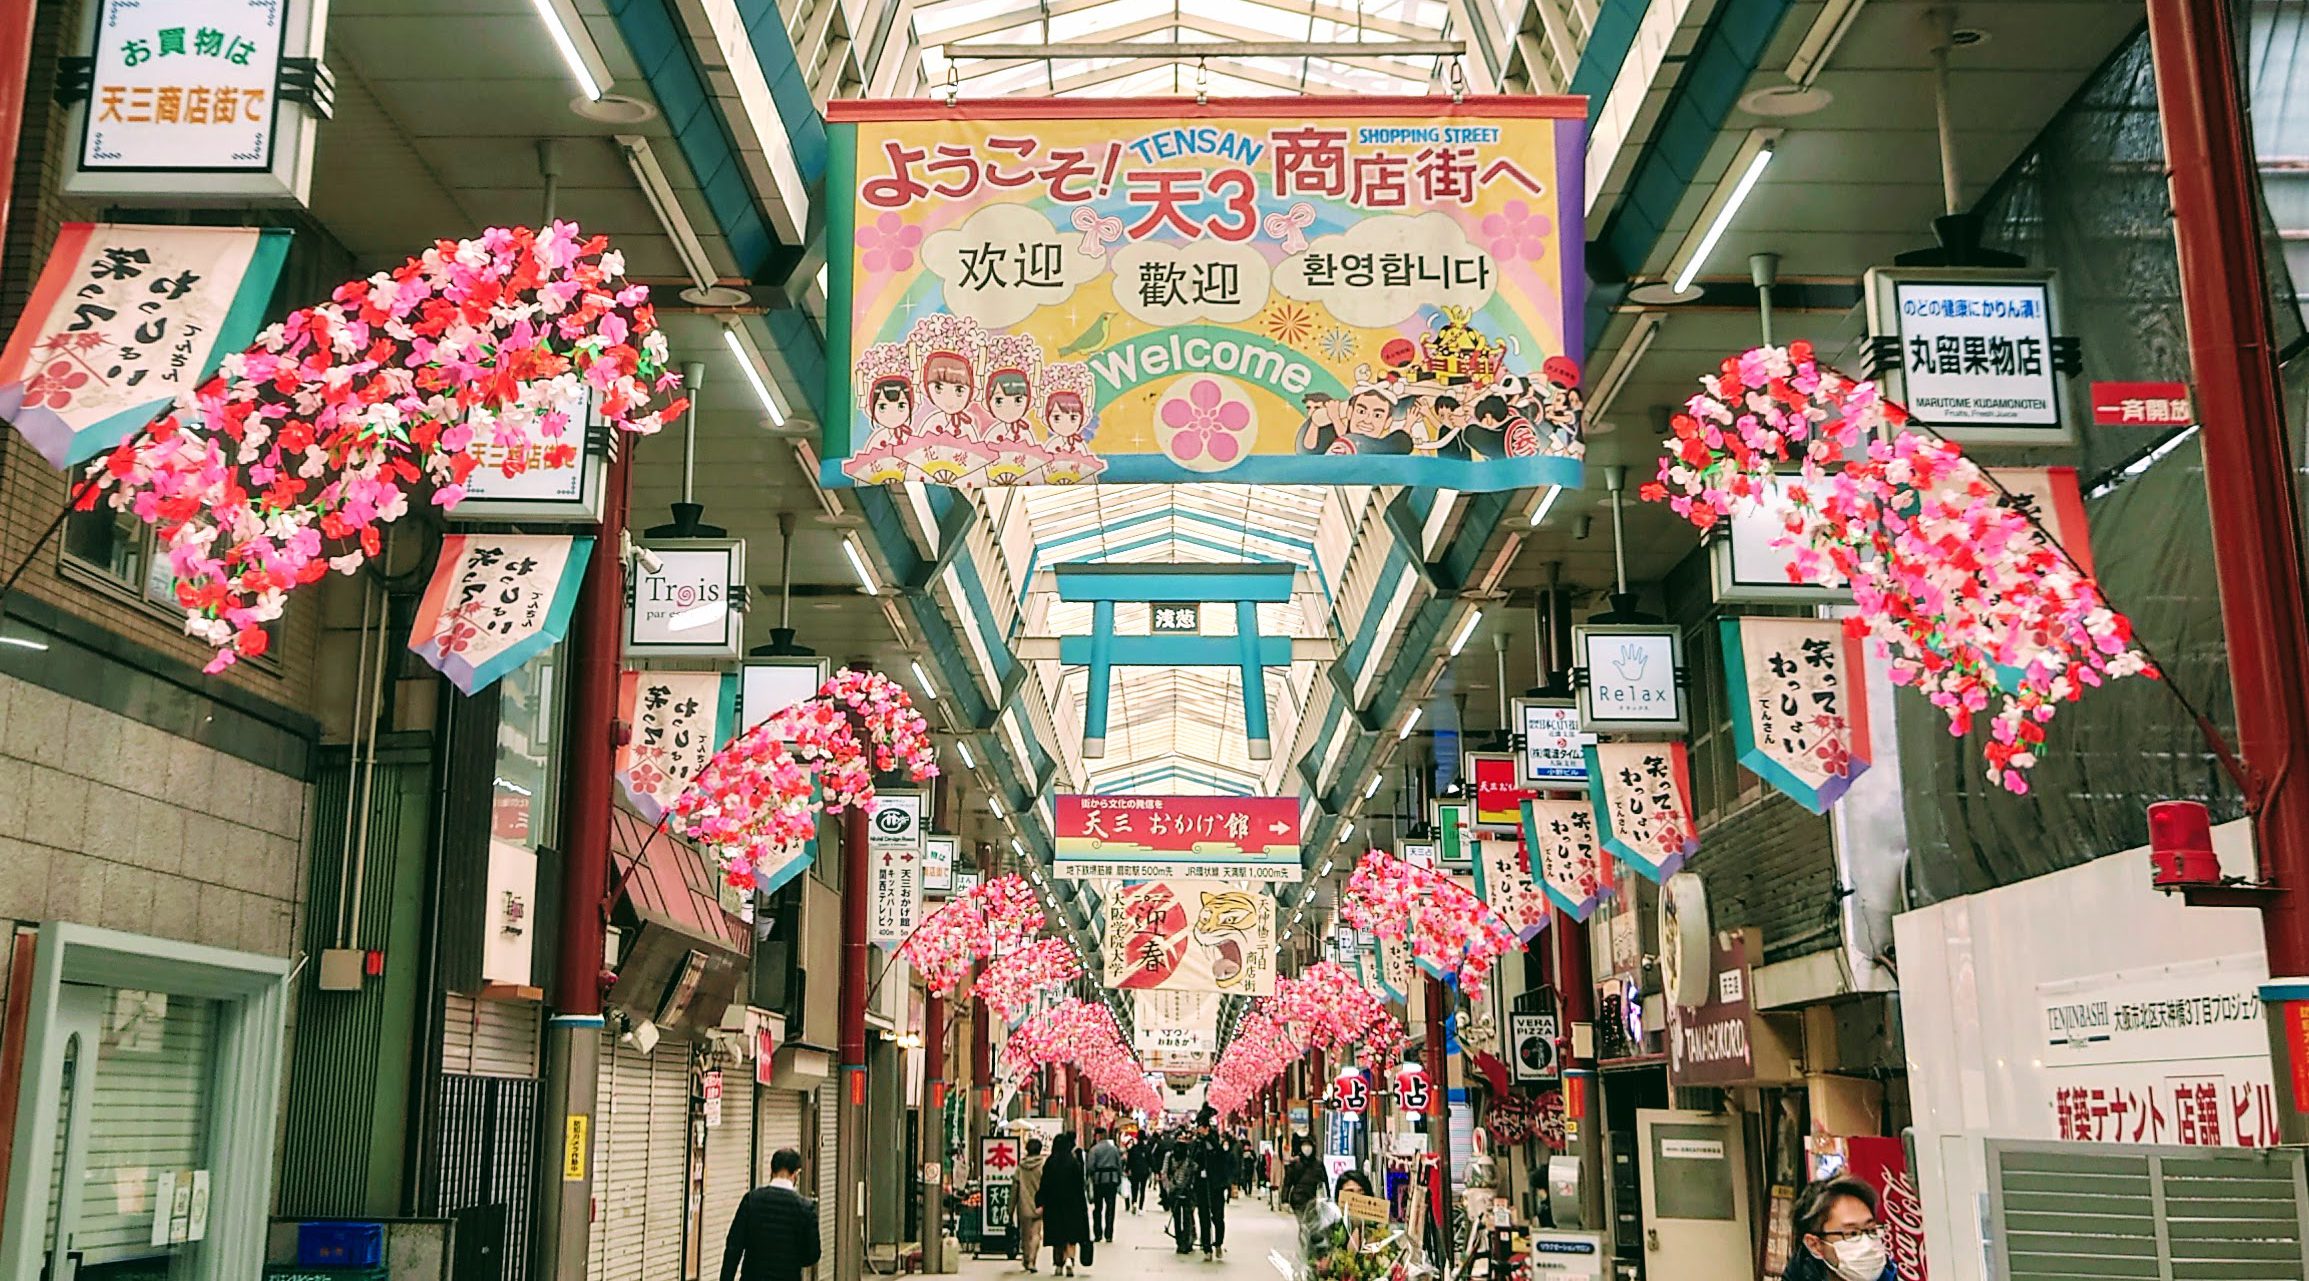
(340, 1245)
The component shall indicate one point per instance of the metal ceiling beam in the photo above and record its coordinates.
(1001, 22)
(1188, 51)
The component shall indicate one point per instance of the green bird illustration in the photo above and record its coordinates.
(1095, 336)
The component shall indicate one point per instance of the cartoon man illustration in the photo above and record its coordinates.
(1225, 926)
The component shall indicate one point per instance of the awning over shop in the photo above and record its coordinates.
(684, 965)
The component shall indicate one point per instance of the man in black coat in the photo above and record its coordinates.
(775, 1233)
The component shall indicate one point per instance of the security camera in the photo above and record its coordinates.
(648, 560)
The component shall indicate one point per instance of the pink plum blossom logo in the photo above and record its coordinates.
(1517, 231)
(1204, 424)
(889, 243)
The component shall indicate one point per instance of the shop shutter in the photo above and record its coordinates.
(729, 1165)
(490, 1038)
(778, 1122)
(829, 1126)
(149, 1111)
(668, 1187)
(621, 1171)
(2063, 1210)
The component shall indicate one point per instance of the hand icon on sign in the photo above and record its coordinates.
(1632, 660)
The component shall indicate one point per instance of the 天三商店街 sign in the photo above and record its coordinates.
(1053, 292)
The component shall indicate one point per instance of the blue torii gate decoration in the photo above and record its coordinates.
(1246, 586)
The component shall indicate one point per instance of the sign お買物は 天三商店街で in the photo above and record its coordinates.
(1050, 293)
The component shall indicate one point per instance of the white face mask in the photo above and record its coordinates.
(1859, 1259)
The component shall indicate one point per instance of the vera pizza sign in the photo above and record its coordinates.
(1053, 292)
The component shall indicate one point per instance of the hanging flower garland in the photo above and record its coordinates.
(757, 799)
(1010, 984)
(1449, 930)
(1325, 1008)
(971, 927)
(1973, 603)
(1083, 1035)
(289, 461)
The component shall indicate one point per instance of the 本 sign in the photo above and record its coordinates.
(1630, 678)
(1799, 704)
(1175, 619)
(894, 865)
(1975, 351)
(1235, 838)
(1560, 840)
(1196, 935)
(122, 321)
(685, 606)
(1551, 743)
(495, 602)
(1257, 293)
(1642, 798)
(677, 722)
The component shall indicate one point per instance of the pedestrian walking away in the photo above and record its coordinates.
(1029, 1203)
(1180, 1193)
(774, 1234)
(1065, 1207)
(1216, 1168)
(1106, 1171)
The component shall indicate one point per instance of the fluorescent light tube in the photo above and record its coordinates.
(858, 566)
(1724, 216)
(1373, 789)
(1546, 503)
(1466, 630)
(1018, 849)
(962, 746)
(1346, 830)
(1408, 722)
(746, 365)
(929, 690)
(995, 803)
(567, 44)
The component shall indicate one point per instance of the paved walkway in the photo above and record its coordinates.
(1257, 1238)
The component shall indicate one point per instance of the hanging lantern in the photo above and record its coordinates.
(1411, 1089)
(1351, 1092)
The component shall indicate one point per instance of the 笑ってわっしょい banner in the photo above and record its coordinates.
(1262, 291)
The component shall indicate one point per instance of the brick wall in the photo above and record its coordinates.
(107, 821)
(1770, 865)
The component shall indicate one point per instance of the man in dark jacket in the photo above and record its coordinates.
(1216, 1166)
(775, 1233)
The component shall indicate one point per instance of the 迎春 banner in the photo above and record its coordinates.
(1191, 935)
(1059, 291)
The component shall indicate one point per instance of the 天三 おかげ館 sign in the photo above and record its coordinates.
(1055, 292)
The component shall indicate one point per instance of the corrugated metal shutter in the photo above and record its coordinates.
(668, 1188)
(829, 1125)
(2066, 1210)
(729, 1165)
(778, 1123)
(490, 1038)
(148, 1112)
(621, 1172)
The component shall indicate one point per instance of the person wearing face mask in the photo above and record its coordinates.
(1835, 1220)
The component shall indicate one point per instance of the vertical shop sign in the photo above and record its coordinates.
(998, 1179)
(1560, 840)
(495, 602)
(1382, 290)
(1799, 704)
(1498, 790)
(1454, 835)
(1551, 743)
(1642, 798)
(1710, 1044)
(938, 866)
(676, 721)
(894, 856)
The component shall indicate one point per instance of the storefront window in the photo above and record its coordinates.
(527, 793)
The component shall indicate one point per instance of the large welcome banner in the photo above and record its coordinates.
(1378, 290)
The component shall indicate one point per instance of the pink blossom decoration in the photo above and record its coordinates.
(973, 926)
(1009, 985)
(1973, 603)
(1450, 930)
